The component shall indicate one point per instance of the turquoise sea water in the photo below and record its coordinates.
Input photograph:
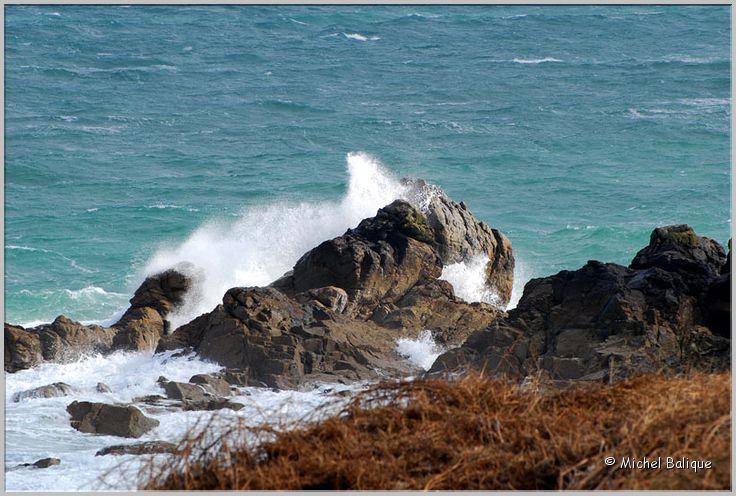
(139, 136)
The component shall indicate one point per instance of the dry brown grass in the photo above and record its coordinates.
(477, 433)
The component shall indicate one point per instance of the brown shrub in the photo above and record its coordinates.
(478, 433)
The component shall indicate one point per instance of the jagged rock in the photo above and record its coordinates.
(143, 324)
(606, 321)
(458, 236)
(49, 391)
(113, 420)
(43, 463)
(103, 388)
(677, 249)
(144, 448)
(63, 340)
(382, 258)
(212, 383)
(342, 307)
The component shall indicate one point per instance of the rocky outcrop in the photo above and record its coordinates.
(717, 301)
(22, 349)
(606, 321)
(458, 236)
(113, 420)
(54, 390)
(143, 324)
(63, 340)
(339, 312)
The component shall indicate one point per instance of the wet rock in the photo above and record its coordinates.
(143, 324)
(54, 390)
(43, 463)
(339, 312)
(144, 448)
(458, 236)
(213, 383)
(113, 420)
(63, 340)
(606, 321)
(103, 388)
(211, 404)
(184, 391)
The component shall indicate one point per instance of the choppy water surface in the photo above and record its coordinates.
(238, 137)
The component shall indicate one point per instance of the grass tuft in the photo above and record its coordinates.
(477, 433)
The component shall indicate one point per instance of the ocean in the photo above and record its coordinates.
(239, 137)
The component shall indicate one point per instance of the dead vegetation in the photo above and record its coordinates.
(478, 433)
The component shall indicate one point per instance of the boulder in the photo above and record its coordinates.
(144, 448)
(22, 348)
(113, 420)
(183, 391)
(341, 309)
(212, 383)
(606, 321)
(63, 340)
(143, 324)
(49, 391)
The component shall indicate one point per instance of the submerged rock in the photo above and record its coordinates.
(606, 321)
(144, 448)
(43, 463)
(49, 391)
(113, 420)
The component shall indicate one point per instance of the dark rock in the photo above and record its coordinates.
(211, 404)
(677, 249)
(607, 321)
(717, 301)
(103, 388)
(151, 399)
(144, 448)
(113, 420)
(43, 463)
(54, 390)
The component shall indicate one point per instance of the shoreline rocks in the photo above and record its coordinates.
(113, 420)
(605, 321)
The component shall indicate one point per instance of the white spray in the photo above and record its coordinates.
(264, 243)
